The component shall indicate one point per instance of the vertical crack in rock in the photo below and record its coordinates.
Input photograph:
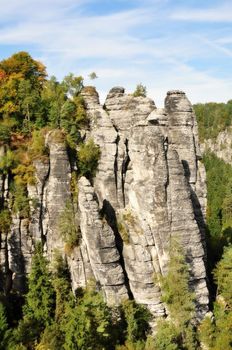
(111, 219)
(125, 164)
(116, 162)
(103, 254)
(16, 254)
(41, 206)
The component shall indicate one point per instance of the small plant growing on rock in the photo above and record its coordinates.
(87, 158)
(37, 149)
(5, 221)
(140, 90)
(21, 202)
(123, 231)
(68, 227)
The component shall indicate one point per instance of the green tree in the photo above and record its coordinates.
(40, 299)
(223, 277)
(5, 221)
(87, 158)
(140, 90)
(7, 162)
(137, 319)
(20, 88)
(93, 76)
(176, 294)
(167, 337)
(68, 226)
(219, 175)
(212, 118)
(3, 326)
(88, 324)
(216, 333)
(73, 84)
(53, 98)
(39, 308)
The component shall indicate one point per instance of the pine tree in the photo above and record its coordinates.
(216, 333)
(3, 326)
(40, 299)
(178, 298)
(88, 324)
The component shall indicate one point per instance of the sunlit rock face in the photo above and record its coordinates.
(149, 187)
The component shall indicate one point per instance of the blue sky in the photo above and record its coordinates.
(164, 44)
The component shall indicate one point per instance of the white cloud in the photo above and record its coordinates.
(222, 13)
(125, 47)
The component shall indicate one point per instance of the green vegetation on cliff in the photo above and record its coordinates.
(213, 118)
(219, 206)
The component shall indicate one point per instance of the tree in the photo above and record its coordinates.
(216, 332)
(167, 337)
(20, 88)
(39, 308)
(3, 326)
(53, 99)
(223, 277)
(73, 84)
(22, 63)
(88, 324)
(137, 319)
(40, 299)
(93, 76)
(68, 226)
(176, 294)
(88, 157)
(5, 221)
(140, 90)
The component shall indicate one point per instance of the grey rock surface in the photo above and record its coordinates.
(221, 146)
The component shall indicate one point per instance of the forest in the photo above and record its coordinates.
(48, 316)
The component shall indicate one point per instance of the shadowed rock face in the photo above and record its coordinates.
(149, 187)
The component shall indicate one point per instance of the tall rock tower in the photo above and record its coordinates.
(149, 187)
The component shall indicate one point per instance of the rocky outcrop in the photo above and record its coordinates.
(151, 185)
(149, 188)
(221, 146)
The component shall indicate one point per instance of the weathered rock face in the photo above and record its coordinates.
(221, 146)
(149, 187)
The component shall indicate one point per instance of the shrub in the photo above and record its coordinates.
(87, 158)
(88, 324)
(7, 162)
(123, 231)
(3, 325)
(21, 201)
(37, 148)
(24, 174)
(175, 287)
(137, 319)
(178, 296)
(140, 90)
(5, 221)
(167, 337)
(68, 226)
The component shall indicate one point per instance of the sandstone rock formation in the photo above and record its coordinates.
(221, 146)
(149, 187)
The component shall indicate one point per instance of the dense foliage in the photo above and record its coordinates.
(219, 209)
(213, 118)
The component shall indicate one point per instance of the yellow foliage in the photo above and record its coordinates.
(24, 174)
